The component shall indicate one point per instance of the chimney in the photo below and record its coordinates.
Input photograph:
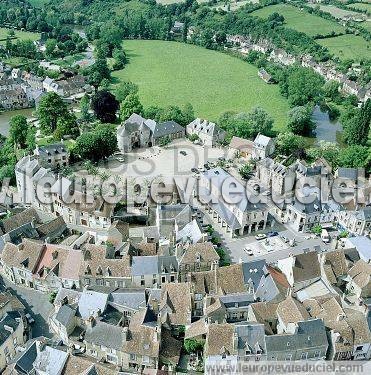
(90, 322)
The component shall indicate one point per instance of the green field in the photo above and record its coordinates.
(171, 73)
(348, 47)
(301, 20)
(361, 6)
(23, 35)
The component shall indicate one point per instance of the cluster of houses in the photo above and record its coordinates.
(21, 89)
(18, 89)
(128, 302)
(129, 293)
(327, 70)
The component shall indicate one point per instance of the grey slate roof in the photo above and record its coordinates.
(309, 334)
(24, 365)
(237, 300)
(253, 271)
(65, 314)
(364, 214)
(251, 336)
(132, 299)
(153, 265)
(10, 319)
(91, 302)
(144, 265)
(166, 128)
(105, 334)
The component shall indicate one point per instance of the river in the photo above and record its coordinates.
(7, 115)
(326, 129)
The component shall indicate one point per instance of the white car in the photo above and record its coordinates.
(260, 236)
(266, 193)
(248, 251)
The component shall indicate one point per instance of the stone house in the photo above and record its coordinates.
(195, 258)
(53, 155)
(138, 132)
(153, 270)
(208, 133)
(301, 270)
(103, 266)
(306, 340)
(263, 147)
(237, 216)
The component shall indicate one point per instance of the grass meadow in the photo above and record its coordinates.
(348, 46)
(301, 20)
(171, 73)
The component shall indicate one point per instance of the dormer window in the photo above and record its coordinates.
(87, 270)
(99, 270)
(108, 271)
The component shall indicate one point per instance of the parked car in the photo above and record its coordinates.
(248, 250)
(284, 239)
(183, 152)
(194, 170)
(207, 166)
(266, 193)
(272, 234)
(30, 319)
(260, 236)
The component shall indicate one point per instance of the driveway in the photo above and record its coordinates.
(36, 304)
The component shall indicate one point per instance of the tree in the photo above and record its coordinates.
(124, 89)
(131, 105)
(84, 108)
(317, 229)
(357, 124)
(300, 121)
(66, 126)
(331, 90)
(120, 58)
(172, 113)
(289, 143)
(51, 108)
(355, 156)
(98, 71)
(188, 114)
(96, 145)
(260, 122)
(193, 346)
(326, 150)
(301, 86)
(18, 130)
(245, 171)
(50, 46)
(105, 106)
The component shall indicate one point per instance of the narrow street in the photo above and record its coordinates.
(36, 303)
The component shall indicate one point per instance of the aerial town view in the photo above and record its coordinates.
(185, 187)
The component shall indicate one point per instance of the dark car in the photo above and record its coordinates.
(194, 170)
(183, 153)
(207, 166)
(272, 234)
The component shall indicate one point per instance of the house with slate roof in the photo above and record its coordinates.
(13, 334)
(208, 133)
(138, 132)
(237, 218)
(263, 147)
(356, 222)
(152, 271)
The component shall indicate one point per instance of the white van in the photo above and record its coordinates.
(325, 236)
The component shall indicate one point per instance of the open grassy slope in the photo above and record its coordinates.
(301, 20)
(348, 46)
(177, 73)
